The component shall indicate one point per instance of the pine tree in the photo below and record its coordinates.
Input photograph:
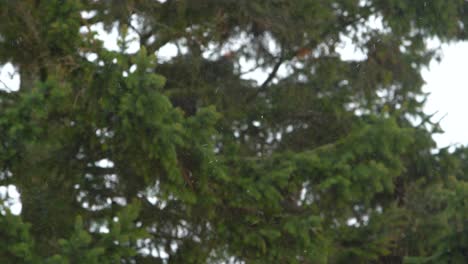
(124, 157)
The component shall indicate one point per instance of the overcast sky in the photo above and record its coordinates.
(447, 84)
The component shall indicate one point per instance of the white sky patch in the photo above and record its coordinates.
(349, 51)
(167, 52)
(248, 66)
(132, 68)
(88, 14)
(352, 222)
(447, 83)
(91, 57)
(11, 198)
(9, 78)
(104, 163)
(110, 39)
(271, 45)
(259, 75)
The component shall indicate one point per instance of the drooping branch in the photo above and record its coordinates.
(272, 73)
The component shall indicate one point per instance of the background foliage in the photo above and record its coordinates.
(127, 158)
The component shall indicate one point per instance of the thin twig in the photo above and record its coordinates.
(6, 86)
(267, 81)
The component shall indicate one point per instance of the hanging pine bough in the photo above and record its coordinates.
(255, 142)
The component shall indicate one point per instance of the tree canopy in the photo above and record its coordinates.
(130, 157)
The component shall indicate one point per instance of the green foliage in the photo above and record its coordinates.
(110, 247)
(16, 245)
(125, 157)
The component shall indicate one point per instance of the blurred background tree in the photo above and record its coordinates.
(121, 157)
